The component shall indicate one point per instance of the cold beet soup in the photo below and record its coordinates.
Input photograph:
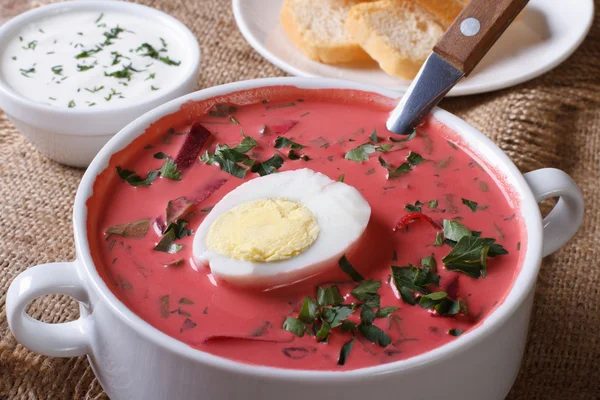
(327, 242)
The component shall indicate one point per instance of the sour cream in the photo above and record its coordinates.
(92, 59)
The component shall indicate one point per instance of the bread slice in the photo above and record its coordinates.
(398, 34)
(317, 28)
(445, 11)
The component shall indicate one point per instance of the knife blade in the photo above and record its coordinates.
(457, 53)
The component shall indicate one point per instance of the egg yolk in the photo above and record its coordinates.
(263, 230)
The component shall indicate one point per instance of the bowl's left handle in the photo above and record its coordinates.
(58, 340)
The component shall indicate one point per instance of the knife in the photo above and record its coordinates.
(456, 54)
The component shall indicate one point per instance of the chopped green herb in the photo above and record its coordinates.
(71, 104)
(136, 229)
(394, 173)
(417, 207)
(414, 158)
(345, 352)
(360, 153)
(95, 89)
(439, 239)
(284, 105)
(366, 292)
(375, 335)
(26, 72)
(160, 155)
(373, 136)
(412, 278)
(444, 163)
(483, 186)
(57, 69)
(471, 204)
(433, 204)
(81, 67)
(349, 269)
(31, 45)
(169, 170)
(282, 142)
(88, 53)
(329, 296)
(292, 155)
(167, 243)
(52, 98)
(168, 61)
(308, 312)
(295, 326)
(341, 178)
(456, 332)
(386, 311)
(99, 18)
(269, 166)
(154, 88)
(135, 180)
(175, 264)
(454, 230)
(469, 256)
(113, 33)
(151, 76)
(440, 302)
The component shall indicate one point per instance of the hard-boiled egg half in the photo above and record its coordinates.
(280, 228)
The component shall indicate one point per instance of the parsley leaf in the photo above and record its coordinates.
(375, 335)
(230, 167)
(323, 331)
(160, 155)
(439, 239)
(366, 292)
(329, 296)
(269, 166)
(167, 243)
(386, 311)
(367, 315)
(455, 332)
(169, 170)
(471, 204)
(349, 269)
(433, 204)
(394, 173)
(295, 326)
(373, 136)
(414, 208)
(360, 153)
(440, 302)
(135, 180)
(412, 278)
(336, 315)
(308, 312)
(247, 144)
(414, 158)
(468, 256)
(282, 142)
(455, 231)
(345, 352)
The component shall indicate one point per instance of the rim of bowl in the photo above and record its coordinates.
(477, 142)
(11, 99)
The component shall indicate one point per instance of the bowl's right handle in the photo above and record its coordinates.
(68, 339)
(564, 220)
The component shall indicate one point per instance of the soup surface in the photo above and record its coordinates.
(440, 252)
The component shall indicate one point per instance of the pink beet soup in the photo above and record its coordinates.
(440, 253)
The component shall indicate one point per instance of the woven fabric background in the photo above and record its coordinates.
(552, 121)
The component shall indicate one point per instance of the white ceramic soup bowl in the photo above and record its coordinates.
(133, 360)
(73, 136)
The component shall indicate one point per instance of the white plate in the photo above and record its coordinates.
(545, 35)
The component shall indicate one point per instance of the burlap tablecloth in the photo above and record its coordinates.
(552, 121)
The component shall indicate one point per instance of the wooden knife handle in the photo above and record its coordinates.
(476, 30)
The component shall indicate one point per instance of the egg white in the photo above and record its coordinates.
(340, 210)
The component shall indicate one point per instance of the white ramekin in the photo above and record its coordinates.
(74, 136)
(133, 360)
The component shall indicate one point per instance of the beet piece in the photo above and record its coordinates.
(282, 126)
(194, 140)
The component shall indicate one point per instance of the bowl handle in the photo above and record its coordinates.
(57, 340)
(564, 220)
